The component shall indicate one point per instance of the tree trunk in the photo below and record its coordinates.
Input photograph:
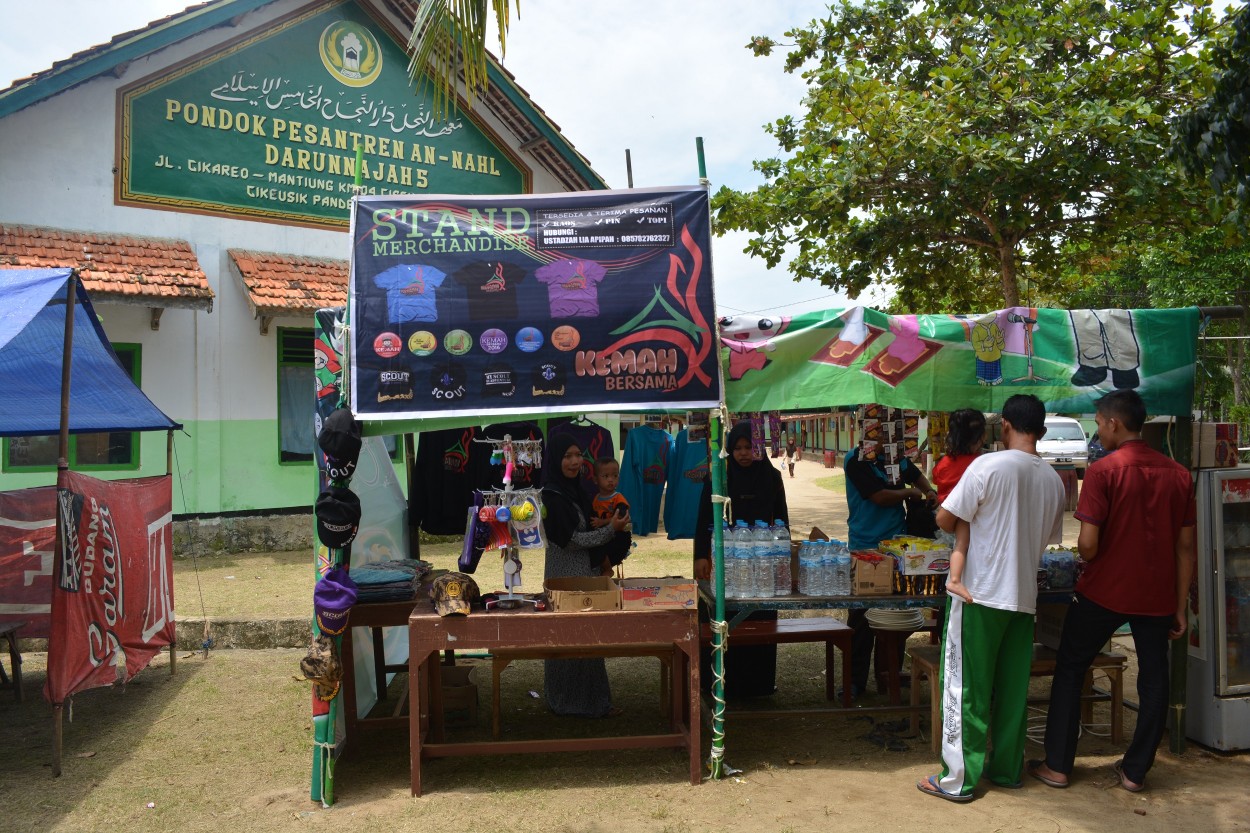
(1010, 282)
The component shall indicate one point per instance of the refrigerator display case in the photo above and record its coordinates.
(1219, 638)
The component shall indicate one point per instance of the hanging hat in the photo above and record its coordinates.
(333, 597)
(322, 666)
(338, 516)
(453, 593)
(340, 440)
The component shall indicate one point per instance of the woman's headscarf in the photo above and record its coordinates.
(563, 496)
(755, 489)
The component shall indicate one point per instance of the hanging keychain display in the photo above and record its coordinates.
(514, 516)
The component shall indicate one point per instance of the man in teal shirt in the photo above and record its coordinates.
(876, 513)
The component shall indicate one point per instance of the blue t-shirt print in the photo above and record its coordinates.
(410, 292)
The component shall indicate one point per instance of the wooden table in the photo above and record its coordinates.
(374, 616)
(596, 631)
(9, 630)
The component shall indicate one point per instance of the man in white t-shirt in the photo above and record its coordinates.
(1004, 511)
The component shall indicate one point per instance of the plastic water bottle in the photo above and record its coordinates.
(842, 570)
(827, 564)
(781, 558)
(805, 557)
(762, 557)
(742, 547)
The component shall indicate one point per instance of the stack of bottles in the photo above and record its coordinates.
(757, 560)
(824, 568)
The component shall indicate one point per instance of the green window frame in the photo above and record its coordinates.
(106, 451)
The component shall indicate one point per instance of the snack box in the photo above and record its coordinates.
(673, 593)
(873, 573)
(918, 556)
(578, 594)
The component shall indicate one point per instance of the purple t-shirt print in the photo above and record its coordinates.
(410, 292)
(572, 287)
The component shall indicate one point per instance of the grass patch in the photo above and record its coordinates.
(832, 483)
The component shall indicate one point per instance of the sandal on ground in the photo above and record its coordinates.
(938, 792)
(615, 711)
(1124, 780)
(1031, 768)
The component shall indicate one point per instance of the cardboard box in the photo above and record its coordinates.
(873, 573)
(658, 593)
(577, 594)
(924, 562)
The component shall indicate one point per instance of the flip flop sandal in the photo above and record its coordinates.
(938, 792)
(1118, 766)
(1031, 768)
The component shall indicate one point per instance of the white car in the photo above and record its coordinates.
(1065, 443)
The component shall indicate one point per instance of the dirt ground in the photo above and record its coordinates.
(225, 744)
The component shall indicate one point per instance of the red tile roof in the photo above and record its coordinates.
(149, 271)
(290, 285)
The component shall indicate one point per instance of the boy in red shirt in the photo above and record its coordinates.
(604, 506)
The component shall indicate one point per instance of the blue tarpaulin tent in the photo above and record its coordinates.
(32, 331)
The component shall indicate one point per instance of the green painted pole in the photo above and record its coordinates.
(716, 762)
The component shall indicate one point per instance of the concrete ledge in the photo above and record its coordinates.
(252, 533)
(244, 633)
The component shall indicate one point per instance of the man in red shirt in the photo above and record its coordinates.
(1137, 515)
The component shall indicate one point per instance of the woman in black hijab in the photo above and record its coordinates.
(576, 687)
(757, 493)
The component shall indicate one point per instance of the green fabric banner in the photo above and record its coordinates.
(1067, 358)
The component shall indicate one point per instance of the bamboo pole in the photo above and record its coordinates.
(62, 470)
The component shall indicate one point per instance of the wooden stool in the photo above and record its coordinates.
(925, 660)
(824, 629)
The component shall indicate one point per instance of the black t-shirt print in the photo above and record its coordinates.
(490, 287)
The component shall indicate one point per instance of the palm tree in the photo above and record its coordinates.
(449, 39)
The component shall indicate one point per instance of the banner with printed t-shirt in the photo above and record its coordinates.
(531, 304)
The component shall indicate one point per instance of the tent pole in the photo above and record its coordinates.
(62, 469)
(169, 472)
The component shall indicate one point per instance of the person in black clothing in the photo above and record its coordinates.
(757, 494)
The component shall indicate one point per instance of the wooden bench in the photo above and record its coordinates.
(830, 631)
(925, 661)
(501, 658)
(8, 631)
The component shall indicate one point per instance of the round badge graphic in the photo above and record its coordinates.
(422, 343)
(529, 339)
(387, 345)
(458, 342)
(350, 53)
(494, 341)
(566, 338)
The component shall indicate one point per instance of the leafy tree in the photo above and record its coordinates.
(945, 142)
(449, 40)
(1213, 139)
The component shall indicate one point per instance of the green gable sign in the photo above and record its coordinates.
(271, 127)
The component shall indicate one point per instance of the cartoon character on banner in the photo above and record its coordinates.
(749, 340)
(988, 344)
(326, 369)
(1105, 340)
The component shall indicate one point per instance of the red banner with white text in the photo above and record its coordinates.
(113, 600)
(27, 540)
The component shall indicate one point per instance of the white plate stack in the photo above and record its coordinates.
(888, 619)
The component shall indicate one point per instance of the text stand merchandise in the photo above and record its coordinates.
(516, 514)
